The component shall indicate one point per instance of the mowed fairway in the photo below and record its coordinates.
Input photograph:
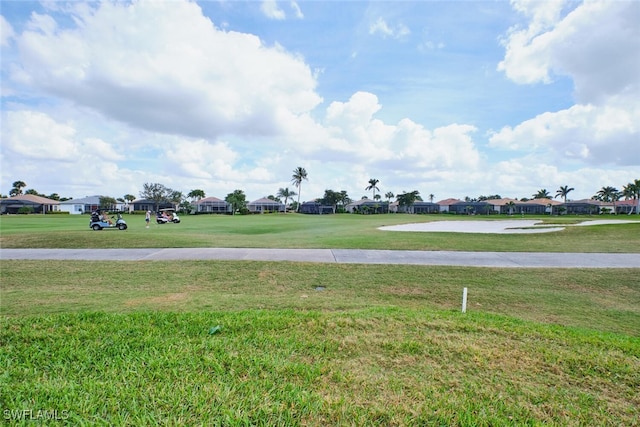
(282, 343)
(313, 231)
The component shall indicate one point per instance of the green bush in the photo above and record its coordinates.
(25, 210)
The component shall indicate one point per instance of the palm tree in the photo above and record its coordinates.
(372, 186)
(542, 194)
(389, 195)
(408, 199)
(344, 199)
(299, 174)
(511, 207)
(431, 197)
(563, 192)
(632, 191)
(286, 194)
(609, 194)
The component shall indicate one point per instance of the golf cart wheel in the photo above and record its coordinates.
(96, 227)
(176, 221)
(122, 226)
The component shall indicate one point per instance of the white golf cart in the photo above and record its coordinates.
(167, 216)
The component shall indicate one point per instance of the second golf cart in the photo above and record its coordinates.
(167, 216)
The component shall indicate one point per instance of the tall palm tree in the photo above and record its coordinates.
(299, 175)
(563, 192)
(431, 197)
(372, 186)
(286, 194)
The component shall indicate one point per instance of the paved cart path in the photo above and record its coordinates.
(348, 256)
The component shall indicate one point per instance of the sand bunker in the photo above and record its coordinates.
(516, 226)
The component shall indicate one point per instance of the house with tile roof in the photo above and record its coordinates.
(628, 206)
(317, 208)
(88, 205)
(446, 203)
(420, 207)
(150, 205)
(538, 206)
(37, 204)
(583, 207)
(471, 208)
(213, 205)
(265, 205)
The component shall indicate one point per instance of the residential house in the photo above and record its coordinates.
(446, 203)
(38, 204)
(583, 207)
(503, 206)
(150, 205)
(367, 206)
(213, 205)
(315, 207)
(88, 205)
(470, 208)
(538, 206)
(418, 207)
(628, 206)
(265, 205)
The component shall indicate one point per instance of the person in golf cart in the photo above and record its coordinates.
(96, 217)
(167, 216)
(162, 216)
(105, 218)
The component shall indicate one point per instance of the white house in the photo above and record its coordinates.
(86, 205)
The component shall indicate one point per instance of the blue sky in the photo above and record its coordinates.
(450, 98)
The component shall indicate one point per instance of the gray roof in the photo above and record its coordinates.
(90, 200)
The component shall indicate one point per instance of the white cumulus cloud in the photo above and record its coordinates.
(36, 135)
(165, 67)
(597, 44)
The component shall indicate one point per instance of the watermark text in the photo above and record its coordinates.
(35, 414)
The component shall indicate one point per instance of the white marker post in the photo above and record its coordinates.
(464, 300)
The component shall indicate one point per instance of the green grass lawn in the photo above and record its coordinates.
(258, 343)
(311, 231)
(283, 367)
